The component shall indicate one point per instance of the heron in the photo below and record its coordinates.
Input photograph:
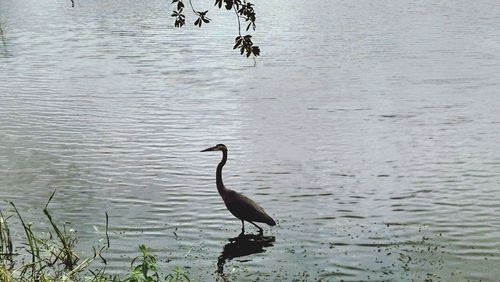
(239, 205)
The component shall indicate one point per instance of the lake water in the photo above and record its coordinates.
(369, 130)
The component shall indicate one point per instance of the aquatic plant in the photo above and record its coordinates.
(51, 256)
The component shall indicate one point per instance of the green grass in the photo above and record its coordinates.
(51, 256)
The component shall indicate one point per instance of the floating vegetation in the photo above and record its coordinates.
(51, 256)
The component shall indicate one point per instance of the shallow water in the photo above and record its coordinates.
(369, 130)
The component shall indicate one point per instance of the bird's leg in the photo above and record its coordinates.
(242, 228)
(260, 229)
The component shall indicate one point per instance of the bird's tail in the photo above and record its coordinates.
(270, 221)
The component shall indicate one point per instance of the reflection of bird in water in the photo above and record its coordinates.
(241, 246)
(240, 206)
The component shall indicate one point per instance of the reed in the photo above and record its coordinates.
(51, 255)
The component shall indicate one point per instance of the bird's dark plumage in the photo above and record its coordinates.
(239, 205)
(244, 208)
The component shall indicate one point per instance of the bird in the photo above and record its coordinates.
(242, 207)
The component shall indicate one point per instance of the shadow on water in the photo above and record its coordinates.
(1, 36)
(243, 245)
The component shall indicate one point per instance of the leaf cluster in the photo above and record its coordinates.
(243, 10)
(246, 46)
(227, 3)
(144, 269)
(180, 18)
(248, 13)
(202, 17)
(177, 275)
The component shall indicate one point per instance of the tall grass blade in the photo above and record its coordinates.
(70, 258)
(35, 251)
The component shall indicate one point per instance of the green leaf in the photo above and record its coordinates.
(256, 51)
(180, 5)
(229, 4)
(237, 44)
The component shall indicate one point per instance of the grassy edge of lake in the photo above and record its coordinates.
(51, 256)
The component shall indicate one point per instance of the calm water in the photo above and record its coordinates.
(368, 129)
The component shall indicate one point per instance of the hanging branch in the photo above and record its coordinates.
(238, 18)
(180, 18)
(242, 9)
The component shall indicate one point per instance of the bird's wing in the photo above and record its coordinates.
(246, 209)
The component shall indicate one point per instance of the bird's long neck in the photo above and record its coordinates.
(218, 178)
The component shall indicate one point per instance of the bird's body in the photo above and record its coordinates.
(244, 208)
(239, 205)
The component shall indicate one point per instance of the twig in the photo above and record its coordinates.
(238, 17)
(192, 8)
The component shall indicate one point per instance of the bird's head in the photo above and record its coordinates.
(218, 147)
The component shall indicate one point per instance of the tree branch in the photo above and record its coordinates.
(192, 8)
(238, 17)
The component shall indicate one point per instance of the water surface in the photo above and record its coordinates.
(369, 130)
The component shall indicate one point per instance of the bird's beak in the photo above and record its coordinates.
(209, 149)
